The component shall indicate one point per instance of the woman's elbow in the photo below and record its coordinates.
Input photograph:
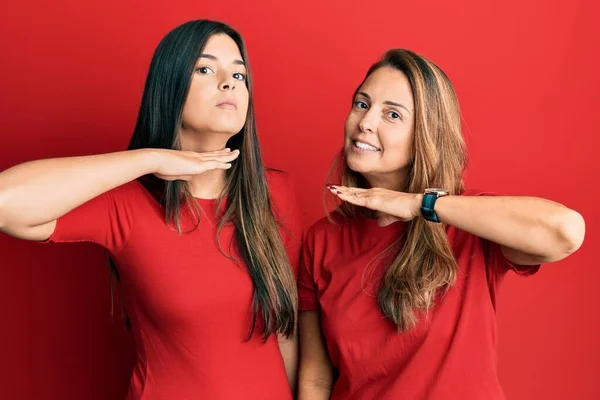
(571, 231)
(3, 211)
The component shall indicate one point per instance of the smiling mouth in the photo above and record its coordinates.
(364, 146)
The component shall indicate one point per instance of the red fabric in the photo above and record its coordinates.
(189, 305)
(450, 354)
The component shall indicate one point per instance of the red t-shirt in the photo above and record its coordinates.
(450, 354)
(190, 306)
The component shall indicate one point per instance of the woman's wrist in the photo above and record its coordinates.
(417, 203)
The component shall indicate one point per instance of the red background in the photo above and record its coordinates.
(71, 78)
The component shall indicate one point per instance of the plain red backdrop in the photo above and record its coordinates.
(71, 77)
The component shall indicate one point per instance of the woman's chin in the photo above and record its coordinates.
(358, 164)
(358, 167)
(225, 129)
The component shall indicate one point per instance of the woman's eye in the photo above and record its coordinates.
(394, 115)
(239, 76)
(203, 70)
(360, 104)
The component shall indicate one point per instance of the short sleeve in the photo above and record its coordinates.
(496, 262)
(107, 219)
(307, 288)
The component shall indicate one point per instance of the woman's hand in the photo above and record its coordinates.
(174, 165)
(391, 205)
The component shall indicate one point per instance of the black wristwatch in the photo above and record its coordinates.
(430, 196)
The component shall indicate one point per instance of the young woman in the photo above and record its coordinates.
(397, 289)
(203, 237)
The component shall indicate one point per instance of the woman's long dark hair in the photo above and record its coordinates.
(246, 193)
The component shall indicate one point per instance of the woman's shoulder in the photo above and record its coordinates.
(133, 191)
(135, 196)
(333, 224)
(277, 179)
(282, 189)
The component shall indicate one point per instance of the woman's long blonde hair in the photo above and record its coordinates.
(424, 262)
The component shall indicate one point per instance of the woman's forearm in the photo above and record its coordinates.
(530, 225)
(38, 192)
